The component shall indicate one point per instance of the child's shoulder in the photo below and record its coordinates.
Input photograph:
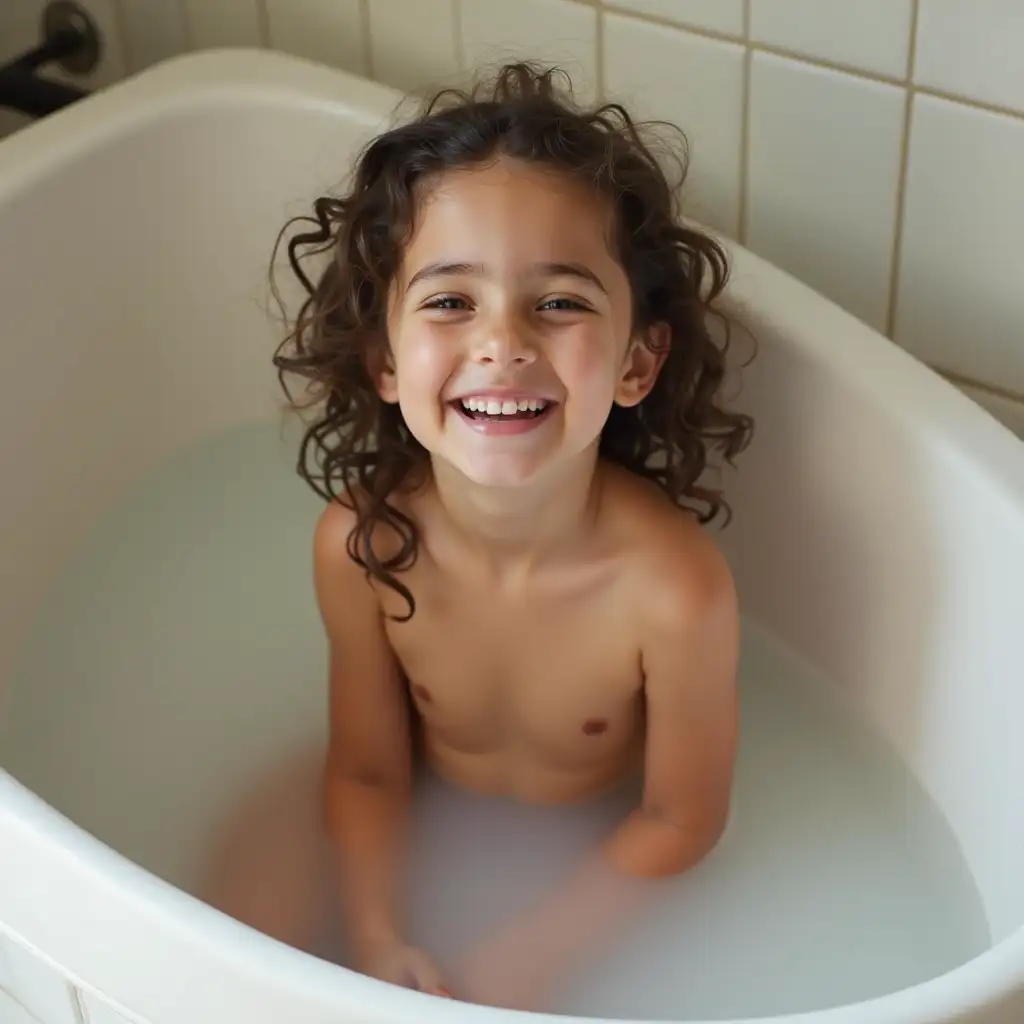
(670, 562)
(340, 526)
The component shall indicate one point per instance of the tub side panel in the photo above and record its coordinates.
(42, 993)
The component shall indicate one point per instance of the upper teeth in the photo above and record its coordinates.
(492, 407)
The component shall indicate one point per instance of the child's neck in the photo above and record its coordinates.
(515, 528)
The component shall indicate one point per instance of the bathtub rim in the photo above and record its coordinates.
(46, 835)
(930, 408)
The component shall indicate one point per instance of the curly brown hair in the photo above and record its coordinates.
(361, 445)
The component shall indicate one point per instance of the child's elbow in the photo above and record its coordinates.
(653, 845)
(690, 847)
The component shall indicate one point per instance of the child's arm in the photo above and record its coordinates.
(368, 775)
(690, 649)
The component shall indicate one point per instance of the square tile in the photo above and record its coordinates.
(549, 31)
(961, 304)
(724, 16)
(824, 163)
(223, 23)
(43, 992)
(412, 43)
(1009, 412)
(153, 31)
(872, 35)
(328, 31)
(695, 83)
(972, 49)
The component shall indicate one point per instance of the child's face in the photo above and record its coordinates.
(510, 324)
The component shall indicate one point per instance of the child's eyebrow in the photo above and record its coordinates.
(571, 270)
(432, 270)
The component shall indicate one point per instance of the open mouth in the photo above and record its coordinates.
(496, 410)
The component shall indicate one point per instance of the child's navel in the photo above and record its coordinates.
(423, 693)
(594, 726)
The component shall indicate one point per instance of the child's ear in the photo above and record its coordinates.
(382, 369)
(644, 360)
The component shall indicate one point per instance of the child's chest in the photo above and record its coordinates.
(550, 670)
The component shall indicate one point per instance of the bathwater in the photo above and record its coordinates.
(179, 658)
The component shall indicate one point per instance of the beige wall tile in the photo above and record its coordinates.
(697, 84)
(961, 301)
(223, 23)
(328, 31)
(873, 35)
(550, 31)
(973, 49)
(717, 15)
(412, 43)
(822, 183)
(153, 31)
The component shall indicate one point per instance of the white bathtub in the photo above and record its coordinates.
(879, 527)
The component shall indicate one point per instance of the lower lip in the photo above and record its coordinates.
(506, 426)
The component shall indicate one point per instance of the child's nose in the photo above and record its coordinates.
(503, 346)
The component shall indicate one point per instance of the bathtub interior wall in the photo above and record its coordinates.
(140, 320)
(861, 543)
(137, 300)
(134, 293)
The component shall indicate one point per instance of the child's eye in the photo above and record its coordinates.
(446, 302)
(561, 304)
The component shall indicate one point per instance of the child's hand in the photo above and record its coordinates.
(404, 965)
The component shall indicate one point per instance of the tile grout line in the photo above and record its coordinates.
(967, 101)
(679, 26)
(128, 56)
(365, 37)
(830, 65)
(186, 36)
(460, 49)
(962, 380)
(263, 23)
(899, 213)
(189, 29)
(744, 184)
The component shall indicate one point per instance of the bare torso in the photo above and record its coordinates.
(535, 691)
(548, 685)
(533, 699)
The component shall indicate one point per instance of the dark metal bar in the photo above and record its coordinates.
(21, 89)
(56, 48)
(70, 38)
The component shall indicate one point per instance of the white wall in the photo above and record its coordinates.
(875, 148)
